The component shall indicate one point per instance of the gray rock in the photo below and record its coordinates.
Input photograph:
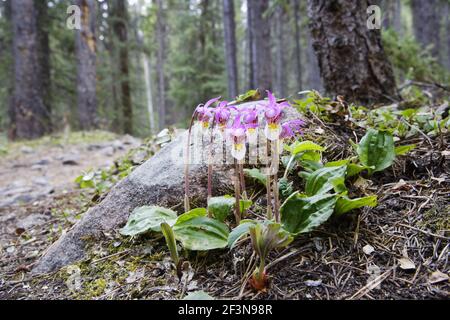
(31, 221)
(26, 150)
(159, 181)
(70, 160)
(109, 151)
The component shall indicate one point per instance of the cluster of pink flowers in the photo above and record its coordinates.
(241, 125)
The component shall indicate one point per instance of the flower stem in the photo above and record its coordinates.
(237, 191)
(275, 165)
(268, 185)
(186, 166)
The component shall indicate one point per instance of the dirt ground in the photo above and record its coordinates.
(398, 250)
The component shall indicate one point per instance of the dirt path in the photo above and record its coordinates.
(30, 173)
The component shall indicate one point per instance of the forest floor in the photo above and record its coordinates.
(398, 250)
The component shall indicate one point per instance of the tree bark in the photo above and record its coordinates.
(280, 52)
(86, 52)
(250, 44)
(262, 57)
(314, 78)
(43, 25)
(230, 47)
(121, 31)
(160, 62)
(351, 57)
(298, 48)
(30, 118)
(426, 24)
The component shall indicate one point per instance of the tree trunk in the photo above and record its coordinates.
(351, 57)
(86, 52)
(426, 24)
(160, 62)
(7, 51)
(262, 57)
(230, 47)
(447, 39)
(314, 78)
(298, 48)
(280, 52)
(30, 118)
(250, 44)
(121, 31)
(43, 25)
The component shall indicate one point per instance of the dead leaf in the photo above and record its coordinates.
(406, 263)
(399, 184)
(437, 277)
(368, 249)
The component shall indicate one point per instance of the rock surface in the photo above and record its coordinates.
(159, 181)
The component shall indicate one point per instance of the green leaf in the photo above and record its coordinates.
(200, 233)
(402, 150)
(338, 163)
(355, 169)
(300, 214)
(377, 150)
(239, 232)
(148, 218)
(321, 181)
(286, 187)
(245, 205)
(257, 175)
(170, 241)
(267, 236)
(221, 207)
(344, 204)
(198, 295)
(298, 147)
(194, 213)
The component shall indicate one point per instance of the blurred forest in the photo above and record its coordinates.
(138, 66)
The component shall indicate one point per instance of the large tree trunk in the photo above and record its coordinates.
(43, 25)
(6, 48)
(121, 32)
(86, 51)
(160, 62)
(230, 47)
(314, 79)
(426, 23)
(30, 118)
(351, 57)
(262, 57)
(280, 52)
(298, 48)
(250, 45)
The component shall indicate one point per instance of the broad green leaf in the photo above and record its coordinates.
(170, 241)
(338, 163)
(321, 181)
(312, 156)
(377, 150)
(257, 175)
(344, 204)
(194, 213)
(402, 150)
(300, 214)
(245, 205)
(298, 147)
(198, 295)
(352, 168)
(199, 233)
(239, 232)
(221, 207)
(355, 169)
(148, 218)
